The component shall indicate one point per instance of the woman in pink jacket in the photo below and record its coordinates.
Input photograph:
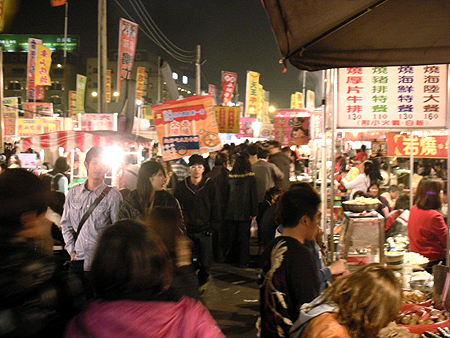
(131, 275)
(427, 230)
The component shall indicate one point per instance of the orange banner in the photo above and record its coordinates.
(251, 105)
(56, 3)
(399, 145)
(43, 63)
(140, 81)
(228, 119)
(186, 127)
(127, 46)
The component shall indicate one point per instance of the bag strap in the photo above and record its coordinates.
(91, 209)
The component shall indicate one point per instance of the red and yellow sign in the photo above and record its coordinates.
(29, 127)
(43, 63)
(251, 106)
(35, 109)
(34, 92)
(140, 81)
(228, 119)
(399, 145)
(186, 127)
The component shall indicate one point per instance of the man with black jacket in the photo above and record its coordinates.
(200, 205)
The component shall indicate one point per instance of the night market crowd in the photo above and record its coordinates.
(94, 261)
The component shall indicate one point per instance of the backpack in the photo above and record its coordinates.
(51, 181)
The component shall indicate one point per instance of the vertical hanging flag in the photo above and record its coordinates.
(34, 92)
(108, 85)
(140, 81)
(310, 100)
(56, 3)
(42, 68)
(213, 92)
(228, 83)
(127, 47)
(81, 90)
(300, 100)
(251, 93)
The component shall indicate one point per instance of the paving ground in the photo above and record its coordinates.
(232, 298)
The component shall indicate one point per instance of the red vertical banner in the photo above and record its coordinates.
(228, 83)
(127, 47)
(34, 92)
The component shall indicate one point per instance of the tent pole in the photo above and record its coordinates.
(411, 170)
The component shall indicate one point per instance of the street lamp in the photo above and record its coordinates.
(272, 109)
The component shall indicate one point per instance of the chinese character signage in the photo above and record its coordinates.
(29, 127)
(92, 122)
(10, 115)
(108, 85)
(140, 81)
(297, 101)
(251, 93)
(34, 92)
(42, 67)
(127, 46)
(81, 92)
(228, 83)
(291, 126)
(228, 119)
(399, 145)
(186, 127)
(37, 109)
(404, 97)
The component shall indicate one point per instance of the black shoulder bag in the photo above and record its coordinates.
(91, 209)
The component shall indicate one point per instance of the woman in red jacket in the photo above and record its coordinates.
(427, 230)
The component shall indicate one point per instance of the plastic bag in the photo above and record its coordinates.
(254, 229)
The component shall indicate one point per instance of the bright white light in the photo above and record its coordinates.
(174, 76)
(115, 94)
(271, 109)
(185, 79)
(231, 104)
(113, 156)
(58, 65)
(188, 91)
(138, 102)
(94, 94)
(256, 126)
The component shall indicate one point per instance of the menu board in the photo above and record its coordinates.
(404, 97)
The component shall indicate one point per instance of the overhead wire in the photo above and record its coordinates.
(173, 52)
(154, 39)
(156, 28)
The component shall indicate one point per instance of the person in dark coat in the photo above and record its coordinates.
(37, 299)
(201, 211)
(148, 194)
(283, 162)
(219, 175)
(242, 208)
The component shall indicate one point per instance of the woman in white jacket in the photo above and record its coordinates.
(361, 182)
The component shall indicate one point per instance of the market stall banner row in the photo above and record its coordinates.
(81, 140)
(404, 97)
(187, 126)
(399, 145)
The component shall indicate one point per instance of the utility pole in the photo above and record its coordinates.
(65, 95)
(198, 73)
(102, 60)
(1, 101)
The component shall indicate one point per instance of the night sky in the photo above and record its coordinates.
(235, 35)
